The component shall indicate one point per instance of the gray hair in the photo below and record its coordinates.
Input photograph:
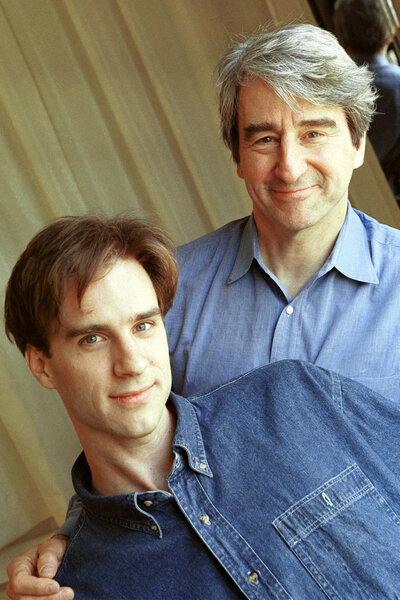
(297, 61)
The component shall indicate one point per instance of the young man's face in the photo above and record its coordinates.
(109, 357)
(296, 165)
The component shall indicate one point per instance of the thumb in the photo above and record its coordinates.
(51, 553)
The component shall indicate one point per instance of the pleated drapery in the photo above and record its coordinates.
(108, 106)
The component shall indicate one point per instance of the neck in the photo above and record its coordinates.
(295, 256)
(123, 466)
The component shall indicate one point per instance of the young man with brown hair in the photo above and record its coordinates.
(274, 485)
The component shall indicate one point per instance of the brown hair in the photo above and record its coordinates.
(73, 249)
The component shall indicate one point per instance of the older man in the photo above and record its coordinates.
(305, 276)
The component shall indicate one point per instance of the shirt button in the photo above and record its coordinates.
(205, 519)
(154, 527)
(148, 503)
(253, 577)
(202, 466)
(289, 310)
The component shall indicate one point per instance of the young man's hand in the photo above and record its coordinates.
(31, 573)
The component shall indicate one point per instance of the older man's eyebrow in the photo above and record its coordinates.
(254, 128)
(74, 332)
(323, 122)
(264, 126)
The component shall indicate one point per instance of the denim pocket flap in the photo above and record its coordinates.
(322, 504)
(347, 536)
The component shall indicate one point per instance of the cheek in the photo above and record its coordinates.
(80, 380)
(256, 174)
(161, 357)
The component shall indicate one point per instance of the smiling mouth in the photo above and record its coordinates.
(133, 396)
(297, 194)
(293, 191)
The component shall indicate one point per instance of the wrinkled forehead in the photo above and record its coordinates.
(258, 101)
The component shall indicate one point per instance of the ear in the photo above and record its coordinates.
(360, 152)
(38, 363)
(239, 171)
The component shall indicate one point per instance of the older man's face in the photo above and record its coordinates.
(296, 165)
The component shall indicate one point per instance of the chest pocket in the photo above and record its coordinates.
(347, 537)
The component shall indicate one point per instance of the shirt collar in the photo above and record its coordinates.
(124, 508)
(188, 435)
(120, 508)
(351, 253)
(248, 251)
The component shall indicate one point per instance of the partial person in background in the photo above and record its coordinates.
(364, 31)
(305, 276)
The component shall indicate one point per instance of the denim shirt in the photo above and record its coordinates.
(285, 485)
(232, 314)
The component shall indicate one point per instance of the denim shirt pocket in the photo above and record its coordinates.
(347, 537)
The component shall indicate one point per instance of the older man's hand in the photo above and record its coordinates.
(31, 573)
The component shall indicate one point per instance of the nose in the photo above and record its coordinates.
(128, 359)
(290, 162)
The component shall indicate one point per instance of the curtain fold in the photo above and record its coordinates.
(108, 106)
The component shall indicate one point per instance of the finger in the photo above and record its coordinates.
(51, 553)
(22, 585)
(50, 590)
(24, 564)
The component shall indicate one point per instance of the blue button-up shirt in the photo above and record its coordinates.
(285, 485)
(232, 314)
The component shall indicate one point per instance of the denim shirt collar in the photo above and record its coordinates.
(122, 509)
(126, 508)
(350, 255)
(188, 435)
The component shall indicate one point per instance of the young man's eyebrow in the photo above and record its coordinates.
(93, 327)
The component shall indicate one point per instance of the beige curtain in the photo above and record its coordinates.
(108, 106)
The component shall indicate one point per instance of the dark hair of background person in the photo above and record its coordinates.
(361, 26)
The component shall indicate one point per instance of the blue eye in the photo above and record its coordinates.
(142, 327)
(91, 339)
